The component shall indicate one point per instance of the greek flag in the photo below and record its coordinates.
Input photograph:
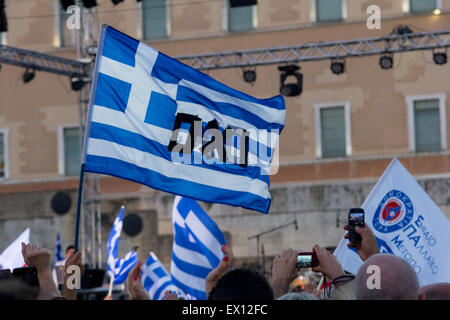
(161, 123)
(58, 250)
(196, 247)
(118, 268)
(156, 279)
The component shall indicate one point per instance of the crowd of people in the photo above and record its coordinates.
(397, 281)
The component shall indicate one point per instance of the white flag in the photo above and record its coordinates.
(407, 223)
(11, 257)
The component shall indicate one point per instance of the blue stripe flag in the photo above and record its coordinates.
(118, 268)
(58, 250)
(161, 123)
(197, 247)
(157, 280)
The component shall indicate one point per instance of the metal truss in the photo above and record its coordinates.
(319, 51)
(42, 62)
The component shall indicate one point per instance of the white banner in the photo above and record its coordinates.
(12, 257)
(407, 223)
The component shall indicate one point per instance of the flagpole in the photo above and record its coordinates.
(111, 283)
(80, 195)
(87, 129)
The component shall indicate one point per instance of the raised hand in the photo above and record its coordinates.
(225, 266)
(135, 285)
(284, 271)
(368, 245)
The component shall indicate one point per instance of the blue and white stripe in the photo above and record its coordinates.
(137, 93)
(157, 280)
(118, 268)
(196, 247)
(58, 250)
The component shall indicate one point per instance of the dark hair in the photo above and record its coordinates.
(242, 284)
(70, 246)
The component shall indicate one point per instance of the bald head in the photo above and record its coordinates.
(436, 291)
(398, 281)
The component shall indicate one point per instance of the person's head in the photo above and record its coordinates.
(436, 291)
(397, 280)
(69, 250)
(242, 284)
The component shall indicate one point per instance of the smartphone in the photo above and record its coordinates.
(355, 219)
(29, 275)
(307, 260)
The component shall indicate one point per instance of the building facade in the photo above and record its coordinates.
(340, 133)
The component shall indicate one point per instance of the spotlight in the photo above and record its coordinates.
(440, 58)
(337, 67)
(402, 29)
(437, 12)
(386, 62)
(116, 2)
(290, 89)
(76, 83)
(28, 75)
(89, 3)
(249, 76)
(66, 4)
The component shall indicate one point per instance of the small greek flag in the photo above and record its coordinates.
(156, 279)
(118, 268)
(197, 247)
(58, 251)
(161, 123)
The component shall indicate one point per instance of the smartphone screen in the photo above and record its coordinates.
(304, 261)
(355, 218)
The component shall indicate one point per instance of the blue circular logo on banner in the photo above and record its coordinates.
(394, 212)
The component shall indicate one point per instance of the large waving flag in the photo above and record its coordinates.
(58, 250)
(118, 268)
(156, 279)
(12, 257)
(159, 122)
(196, 247)
(407, 223)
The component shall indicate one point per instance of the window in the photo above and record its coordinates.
(423, 5)
(329, 10)
(3, 153)
(155, 19)
(427, 128)
(333, 130)
(70, 153)
(241, 18)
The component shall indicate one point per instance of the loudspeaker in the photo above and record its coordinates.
(61, 203)
(132, 224)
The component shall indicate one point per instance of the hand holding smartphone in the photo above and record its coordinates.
(307, 260)
(355, 219)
